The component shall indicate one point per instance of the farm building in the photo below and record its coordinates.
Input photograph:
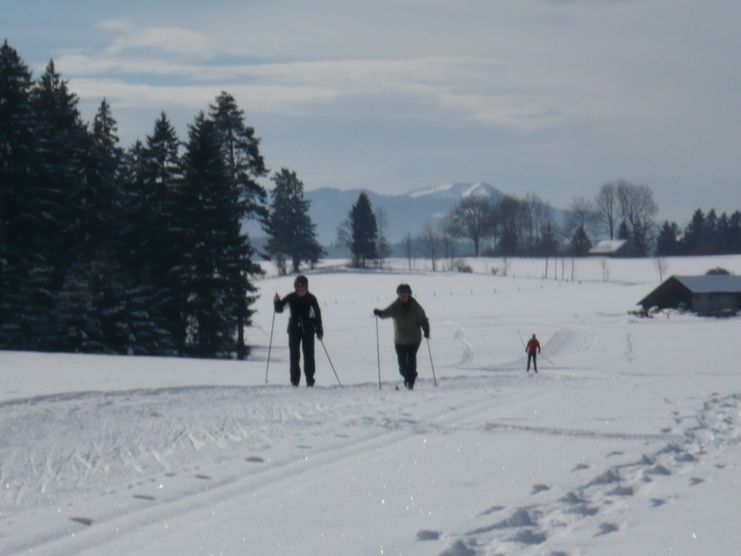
(613, 248)
(710, 295)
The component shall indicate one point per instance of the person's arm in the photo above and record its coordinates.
(318, 327)
(424, 322)
(385, 313)
(279, 303)
(538, 347)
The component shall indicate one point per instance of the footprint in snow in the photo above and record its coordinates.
(539, 488)
(613, 454)
(458, 549)
(339, 435)
(580, 467)
(202, 477)
(491, 510)
(656, 502)
(529, 536)
(144, 497)
(696, 481)
(303, 446)
(254, 459)
(606, 529)
(83, 521)
(428, 535)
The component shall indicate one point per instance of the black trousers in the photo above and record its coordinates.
(407, 356)
(299, 342)
(534, 357)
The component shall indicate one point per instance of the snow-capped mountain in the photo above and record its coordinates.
(405, 212)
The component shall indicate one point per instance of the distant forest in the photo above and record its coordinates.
(143, 250)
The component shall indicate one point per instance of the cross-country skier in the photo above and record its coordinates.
(306, 319)
(409, 317)
(532, 349)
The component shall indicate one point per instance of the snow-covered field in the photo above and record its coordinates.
(627, 442)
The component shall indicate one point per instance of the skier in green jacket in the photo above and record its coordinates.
(409, 318)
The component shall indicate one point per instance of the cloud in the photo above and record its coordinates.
(466, 88)
(173, 40)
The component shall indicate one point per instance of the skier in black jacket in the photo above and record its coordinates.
(306, 319)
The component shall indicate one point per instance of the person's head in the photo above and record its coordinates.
(301, 284)
(404, 291)
(533, 336)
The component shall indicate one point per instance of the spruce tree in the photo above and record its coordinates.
(241, 154)
(17, 179)
(667, 243)
(217, 262)
(363, 232)
(580, 243)
(292, 233)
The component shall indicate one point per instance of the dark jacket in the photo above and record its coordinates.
(306, 317)
(408, 319)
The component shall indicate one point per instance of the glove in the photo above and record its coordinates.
(320, 335)
(427, 335)
(377, 312)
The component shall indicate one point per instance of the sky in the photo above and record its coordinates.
(552, 97)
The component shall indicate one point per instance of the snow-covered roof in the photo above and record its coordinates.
(715, 283)
(607, 246)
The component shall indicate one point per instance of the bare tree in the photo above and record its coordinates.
(409, 249)
(607, 207)
(582, 214)
(637, 209)
(537, 213)
(430, 241)
(447, 240)
(605, 269)
(661, 265)
(473, 219)
(511, 217)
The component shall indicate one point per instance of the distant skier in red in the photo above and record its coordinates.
(532, 349)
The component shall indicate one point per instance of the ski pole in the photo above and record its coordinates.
(546, 358)
(270, 347)
(330, 361)
(521, 340)
(431, 363)
(378, 354)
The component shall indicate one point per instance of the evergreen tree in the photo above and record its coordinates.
(667, 243)
(734, 232)
(363, 232)
(62, 140)
(580, 244)
(548, 244)
(17, 166)
(217, 268)
(694, 235)
(241, 151)
(244, 163)
(292, 233)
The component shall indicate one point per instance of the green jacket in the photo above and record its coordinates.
(409, 318)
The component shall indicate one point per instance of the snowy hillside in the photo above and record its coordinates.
(628, 441)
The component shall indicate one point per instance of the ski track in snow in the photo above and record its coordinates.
(188, 428)
(599, 502)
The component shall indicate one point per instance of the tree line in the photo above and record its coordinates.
(139, 250)
(528, 227)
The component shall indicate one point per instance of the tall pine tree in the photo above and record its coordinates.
(292, 233)
(363, 232)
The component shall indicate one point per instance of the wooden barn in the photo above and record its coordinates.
(613, 248)
(705, 295)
